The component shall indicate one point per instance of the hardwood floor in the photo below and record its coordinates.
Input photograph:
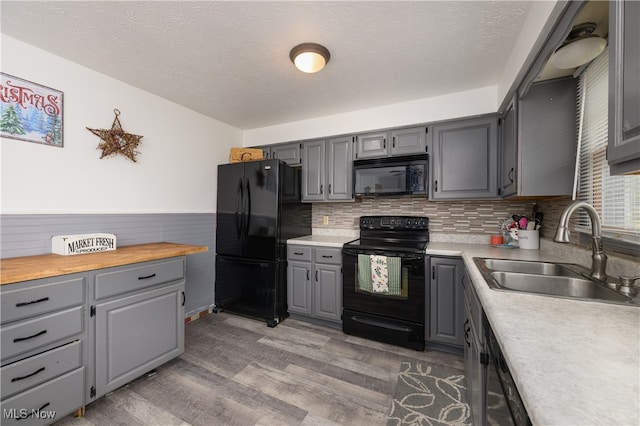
(238, 371)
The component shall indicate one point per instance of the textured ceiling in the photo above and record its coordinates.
(230, 60)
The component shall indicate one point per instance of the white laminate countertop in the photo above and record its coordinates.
(322, 240)
(574, 362)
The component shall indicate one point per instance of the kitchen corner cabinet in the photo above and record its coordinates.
(327, 170)
(538, 144)
(290, 153)
(446, 302)
(465, 159)
(139, 320)
(394, 142)
(314, 282)
(623, 152)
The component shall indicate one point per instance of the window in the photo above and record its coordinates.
(616, 198)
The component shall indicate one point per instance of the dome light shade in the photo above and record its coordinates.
(578, 52)
(309, 57)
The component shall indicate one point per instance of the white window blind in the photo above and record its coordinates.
(616, 198)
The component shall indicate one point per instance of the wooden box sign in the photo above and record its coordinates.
(80, 244)
(245, 154)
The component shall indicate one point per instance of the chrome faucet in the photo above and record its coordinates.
(598, 258)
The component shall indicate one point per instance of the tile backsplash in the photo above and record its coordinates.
(470, 217)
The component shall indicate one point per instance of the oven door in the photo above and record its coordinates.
(401, 294)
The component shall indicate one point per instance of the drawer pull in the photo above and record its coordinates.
(33, 412)
(15, 379)
(297, 253)
(147, 277)
(20, 339)
(44, 299)
(327, 256)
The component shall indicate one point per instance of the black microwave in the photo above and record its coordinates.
(392, 176)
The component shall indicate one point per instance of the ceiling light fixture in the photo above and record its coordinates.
(580, 47)
(309, 57)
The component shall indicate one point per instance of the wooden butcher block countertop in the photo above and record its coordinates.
(17, 269)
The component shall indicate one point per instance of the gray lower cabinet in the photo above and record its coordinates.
(465, 159)
(396, 142)
(538, 144)
(139, 320)
(446, 303)
(623, 153)
(43, 349)
(327, 170)
(314, 282)
(475, 358)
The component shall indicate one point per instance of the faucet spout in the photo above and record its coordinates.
(598, 257)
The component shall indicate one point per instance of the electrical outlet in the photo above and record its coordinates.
(325, 220)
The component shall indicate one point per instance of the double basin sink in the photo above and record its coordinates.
(551, 279)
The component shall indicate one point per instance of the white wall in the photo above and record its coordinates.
(176, 168)
(454, 105)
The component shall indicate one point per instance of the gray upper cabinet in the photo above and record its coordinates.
(623, 151)
(538, 146)
(508, 151)
(313, 170)
(340, 169)
(327, 170)
(391, 143)
(465, 159)
(371, 145)
(290, 153)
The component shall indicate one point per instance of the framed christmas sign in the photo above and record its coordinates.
(30, 112)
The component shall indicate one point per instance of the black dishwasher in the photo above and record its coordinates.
(499, 378)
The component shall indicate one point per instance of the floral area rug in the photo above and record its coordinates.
(429, 394)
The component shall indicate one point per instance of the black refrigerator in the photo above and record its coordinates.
(259, 207)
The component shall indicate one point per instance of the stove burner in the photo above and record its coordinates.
(400, 233)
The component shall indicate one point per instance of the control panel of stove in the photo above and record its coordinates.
(394, 222)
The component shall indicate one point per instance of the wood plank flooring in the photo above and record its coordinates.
(238, 371)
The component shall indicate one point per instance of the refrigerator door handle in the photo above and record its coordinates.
(239, 214)
(248, 211)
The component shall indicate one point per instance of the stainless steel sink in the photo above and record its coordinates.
(539, 268)
(547, 278)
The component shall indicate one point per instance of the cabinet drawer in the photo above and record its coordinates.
(18, 303)
(46, 403)
(134, 278)
(23, 336)
(328, 255)
(299, 253)
(37, 369)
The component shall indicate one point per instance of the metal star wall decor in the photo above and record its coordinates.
(117, 141)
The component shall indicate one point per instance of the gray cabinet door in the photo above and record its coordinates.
(289, 153)
(508, 151)
(623, 152)
(299, 287)
(409, 141)
(340, 169)
(136, 334)
(328, 292)
(465, 159)
(446, 302)
(547, 139)
(371, 145)
(313, 170)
